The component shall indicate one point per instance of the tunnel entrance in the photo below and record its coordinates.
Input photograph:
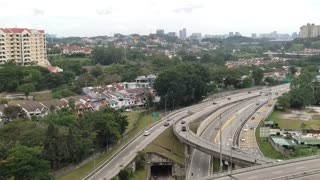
(161, 170)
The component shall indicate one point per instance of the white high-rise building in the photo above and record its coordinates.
(23, 46)
(183, 33)
(309, 31)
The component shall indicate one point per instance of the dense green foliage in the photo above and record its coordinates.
(304, 89)
(184, 84)
(106, 56)
(23, 162)
(28, 79)
(301, 43)
(56, 140)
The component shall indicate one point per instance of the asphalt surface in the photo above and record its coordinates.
(284, 171)
(200, 162)
(128, 153)
(231, 120)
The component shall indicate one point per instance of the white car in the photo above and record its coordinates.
(245, 129)
(243, 139)
(146, 133)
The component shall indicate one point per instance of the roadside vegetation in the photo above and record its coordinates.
(265, 147)
(137, 125)
(167, 145)
(56, 141)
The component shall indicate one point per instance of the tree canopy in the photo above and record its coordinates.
(184, 83)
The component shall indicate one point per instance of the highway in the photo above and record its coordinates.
(128, 153)
(231, 119)
(308, 168)
(210, 148)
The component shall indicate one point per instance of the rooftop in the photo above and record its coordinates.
(282, 141)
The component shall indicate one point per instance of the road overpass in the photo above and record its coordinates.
(196, 142)
(302, 168)
(237, 113)
(232, 119)
(127, 154)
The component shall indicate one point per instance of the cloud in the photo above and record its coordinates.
(38, 12)
(106, 11)
(188, 8)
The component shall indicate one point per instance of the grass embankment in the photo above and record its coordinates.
(167, 145)
(140, 174)
(141, 123)
(265, 147)
(43, 96)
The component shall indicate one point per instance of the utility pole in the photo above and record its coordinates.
(231, 145)
(220, 145)
(173, 105)
(165, 105)
(125, 54)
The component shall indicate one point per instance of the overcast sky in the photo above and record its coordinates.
(106, 17)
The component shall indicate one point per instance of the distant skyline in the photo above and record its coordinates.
(106, 17)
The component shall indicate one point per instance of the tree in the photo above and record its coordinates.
(292, 70)
(3, 101)
(105, 126)
(257, 75)
(271, 81)
(124, 174)
(12, 112)
(186, 83)
(247, 82)
(24, 163)
(80, 142)
(140, 160)
(108, 55)
(55, 147)
(284, 101)
(26, 89)
(96, 70)
(303, 126)
(72, 103)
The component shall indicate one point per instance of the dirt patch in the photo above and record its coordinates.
(298, 115)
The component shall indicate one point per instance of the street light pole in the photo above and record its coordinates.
(220, 145)
(231, 144)
(173, 105)
(165, 105)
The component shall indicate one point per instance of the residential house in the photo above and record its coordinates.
(146, 79)
(75, 49)
(54, 104)
(82, 103)
(2, 107)
(33, 108)
(54, 69)
(84, 107)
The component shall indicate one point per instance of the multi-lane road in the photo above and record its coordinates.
(298, 169)
(128, 153)
(231, 119)
(112, 167)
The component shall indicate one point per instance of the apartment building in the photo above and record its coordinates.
(309, 31)
(23, 46)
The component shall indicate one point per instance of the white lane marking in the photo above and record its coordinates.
(301, 167)
(276, 172)
(252, 177)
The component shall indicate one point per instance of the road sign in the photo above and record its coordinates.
(264, 131)
(155, 115)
